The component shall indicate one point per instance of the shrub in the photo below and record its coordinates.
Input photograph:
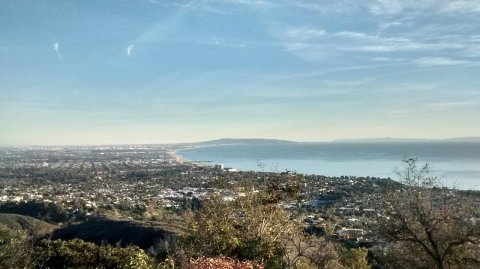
(221, 263)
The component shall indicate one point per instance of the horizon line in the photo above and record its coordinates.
(339, 140)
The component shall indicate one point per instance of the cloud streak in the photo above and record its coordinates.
(462, 6)
(56, 48)
(129, 50)
(395, 7)
(315, 44)
(447, 105)
(380, 8)
(438, 61)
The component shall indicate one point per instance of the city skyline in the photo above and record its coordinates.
(125, 72)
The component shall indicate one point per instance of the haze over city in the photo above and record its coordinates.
(112, 72)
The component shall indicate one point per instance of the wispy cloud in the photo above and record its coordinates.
(446, 105)
(129, 49)
(461, 6)
(401, 26)
(199, 6)
(304, 33)
(394, 7)
(376, 43)
(56, 48)
(319, 74)
(316, 44)
(217, 6)
(375, 7)
(413, 7)
(326, 7)
(386, 7)
(438, 61)
(217, 41)
(388, 59)
(160, 30)
(249, 2)
(437, 107)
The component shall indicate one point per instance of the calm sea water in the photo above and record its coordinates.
(457, 163)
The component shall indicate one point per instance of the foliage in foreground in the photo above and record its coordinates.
(80, 254)
(18, 251)
(427, 226)
(255, 229)
(221, 263)
(239, 230)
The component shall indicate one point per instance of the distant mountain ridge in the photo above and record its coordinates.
(393, 140)
(241, 141)
(265, 141)
(464, 139)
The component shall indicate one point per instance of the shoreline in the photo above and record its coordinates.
(355, 168)
(184, 160)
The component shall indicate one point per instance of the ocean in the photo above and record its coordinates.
(457, 164)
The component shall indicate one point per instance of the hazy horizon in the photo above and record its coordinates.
(153, 71)
(192, 141)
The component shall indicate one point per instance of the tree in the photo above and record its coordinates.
(16, 249)
(317, 252)
(354, 258)
(211, 231)
(255, 228)
(249, 228)
(220, 263)
(427, 226)
(77, 253)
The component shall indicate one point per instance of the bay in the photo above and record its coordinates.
(456, 163)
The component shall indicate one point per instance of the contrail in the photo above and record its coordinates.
(129, 50)
(55, 47)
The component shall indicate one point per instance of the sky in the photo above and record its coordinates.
(158, 71)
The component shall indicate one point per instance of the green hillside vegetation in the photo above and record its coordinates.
(29, 225)
(254, 228)
(20, 248)
(80, 254)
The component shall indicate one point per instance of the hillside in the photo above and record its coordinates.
(32, 226)
(123, 232)
(241, 141)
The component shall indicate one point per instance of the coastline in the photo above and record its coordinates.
(460, 173)
(176, 153)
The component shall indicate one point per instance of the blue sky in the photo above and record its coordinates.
(108, 72)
